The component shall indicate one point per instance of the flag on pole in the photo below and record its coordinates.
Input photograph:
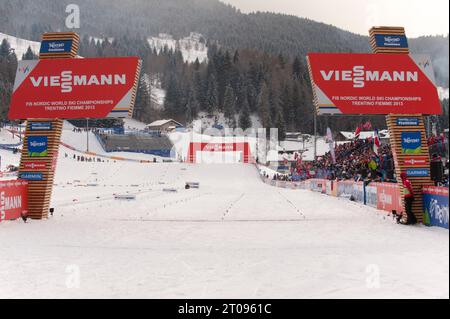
(367, 126)
(331, 144)
(357, 132)
(376, 142)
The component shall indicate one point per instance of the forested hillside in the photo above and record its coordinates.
(256, 61)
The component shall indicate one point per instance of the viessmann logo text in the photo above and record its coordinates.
(9, 202)
(67, 80)
(359, 76)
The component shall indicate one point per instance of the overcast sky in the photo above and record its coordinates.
(419, 17)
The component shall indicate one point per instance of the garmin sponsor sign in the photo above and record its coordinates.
(32, 176)
(418, 172)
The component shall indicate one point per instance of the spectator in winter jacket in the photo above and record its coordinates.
(409, 199)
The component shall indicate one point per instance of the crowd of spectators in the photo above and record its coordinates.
(355, 160)
(436, 139)
(81, 130)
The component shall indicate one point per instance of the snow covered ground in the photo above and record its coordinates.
(322, 147)
(7, 157)
(80, 141)
(6, 137)
(192, 47)
(19, 45)
(235, 237)
(443, 93)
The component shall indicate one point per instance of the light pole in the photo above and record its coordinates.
(87, 135)
(315, 135)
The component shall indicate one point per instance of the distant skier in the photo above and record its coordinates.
(409, 199)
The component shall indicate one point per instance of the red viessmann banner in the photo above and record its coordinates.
(13, 199)
(74, 88)
(373, 84)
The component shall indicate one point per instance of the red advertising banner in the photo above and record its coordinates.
(389, 197)
(373, 84)
(13, 199)
(415, 161)
(218, 147)
(75, 88)
(34, 166)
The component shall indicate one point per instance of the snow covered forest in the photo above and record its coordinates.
(255, 62)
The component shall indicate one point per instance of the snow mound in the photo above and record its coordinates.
(134, 125)
(20, 46)
(443, 93)
(210, 121)
(153, 86)
(192, 47)
(234, 237)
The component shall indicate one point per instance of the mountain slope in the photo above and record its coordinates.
(19, 45)
(268, 32)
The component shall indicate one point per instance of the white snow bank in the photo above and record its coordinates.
(235, 237)
(191, 47)
(443, 93)
(20, 46)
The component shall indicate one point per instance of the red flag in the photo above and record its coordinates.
(376, 142)
(357, 132)
(367, 126)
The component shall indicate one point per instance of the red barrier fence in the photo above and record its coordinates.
(389, 197)
(383, 196)
(13, 199)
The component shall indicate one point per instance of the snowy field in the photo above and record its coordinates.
(235, 237)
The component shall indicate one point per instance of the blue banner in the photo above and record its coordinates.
(436, 209)
(371, 196)
(316, 185)
(408, 121)
(411, 143)
(37, 146)
(418, 172)
(391, 41)
(344, 189)
(40, 126)
(358, 192)
(31, 176)
(56, 46)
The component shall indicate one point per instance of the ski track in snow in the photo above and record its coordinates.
(235, 237)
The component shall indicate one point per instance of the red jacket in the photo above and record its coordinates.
(408, 188)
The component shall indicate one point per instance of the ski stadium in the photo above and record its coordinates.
(125, 225)
(192, 150)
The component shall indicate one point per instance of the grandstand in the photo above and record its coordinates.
(138, 143)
